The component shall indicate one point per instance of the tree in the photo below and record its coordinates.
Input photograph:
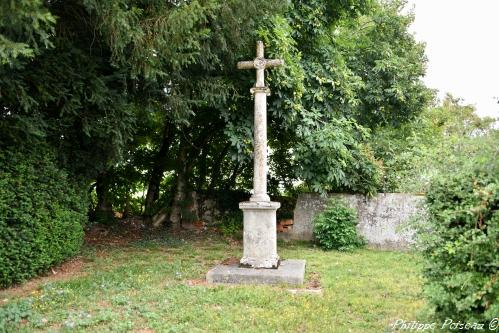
(346, 75)
(435, 143)
(26, 27)
(318, 132)
(124, 90)
(104, 62)
(131, 96)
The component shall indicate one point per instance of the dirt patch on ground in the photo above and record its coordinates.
(315, 281)
(197, 282)
(69, 269)
(313, 286)
(103, 236)
(126, 231)
(133, 229)
(230, 261)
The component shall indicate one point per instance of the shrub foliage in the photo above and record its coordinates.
(231, 225)
(461, 241)
(41, 214)
(335, 228)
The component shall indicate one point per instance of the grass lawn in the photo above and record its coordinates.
(157, 286)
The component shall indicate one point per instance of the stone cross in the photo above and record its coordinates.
(260, 92)
(260, 262)
(260, 238)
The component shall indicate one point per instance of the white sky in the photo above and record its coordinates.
(462, 46)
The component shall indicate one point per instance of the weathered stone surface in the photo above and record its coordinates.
(289, 272)
(260, 234)
(260, 92)
(382, 219)
(260, 146)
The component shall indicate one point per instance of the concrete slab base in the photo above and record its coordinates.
(291, 271)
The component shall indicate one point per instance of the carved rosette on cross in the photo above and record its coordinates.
(260, 238)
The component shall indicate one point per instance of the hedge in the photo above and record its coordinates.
(42, 214)
(461, 242)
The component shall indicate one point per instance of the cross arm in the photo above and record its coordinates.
(261, 63)
(245, 65)
(269, 63)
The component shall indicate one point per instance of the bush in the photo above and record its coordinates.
(460, 241)
(41, 214)
(335, 228)
(231, 225)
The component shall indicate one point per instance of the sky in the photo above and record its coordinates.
(462, 46)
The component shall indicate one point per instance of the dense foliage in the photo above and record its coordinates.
(461, 238)
(335, 158)
(231, 224)
(345, 77)
(144, 96)
(142, 105)
(335, 228)
(435, 143)
(42, 214)
(102, 84)
(25, 30)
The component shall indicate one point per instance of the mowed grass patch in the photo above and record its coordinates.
(156, 286)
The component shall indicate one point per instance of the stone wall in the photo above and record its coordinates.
(381, 218)
(211, 208)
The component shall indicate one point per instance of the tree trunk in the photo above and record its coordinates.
(104, 208)
(202, 170)
(231, 182)
(185, 162)
(215, 171)
(127, 208)
(180, 188)
(175, 214)
(156, 174)
(152, 191)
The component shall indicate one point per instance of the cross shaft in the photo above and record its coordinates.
(260, 92)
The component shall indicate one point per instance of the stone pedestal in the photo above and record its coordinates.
(260, 235)
(290, 271)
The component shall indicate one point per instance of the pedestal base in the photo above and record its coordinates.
(260, 235)
(290, 271)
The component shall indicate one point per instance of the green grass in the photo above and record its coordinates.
(143, 287)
